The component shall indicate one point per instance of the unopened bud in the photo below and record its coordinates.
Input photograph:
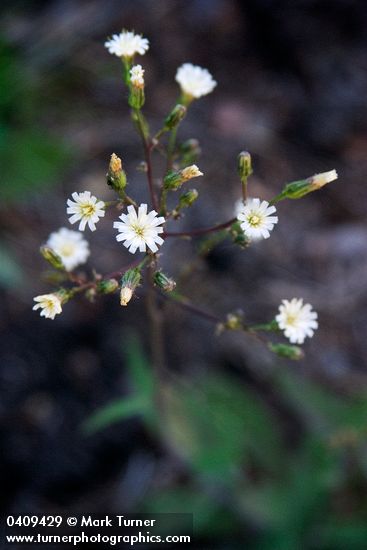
(51, 257)
(234, 321)
(136, 98)
(129, 282)
(91, 294)
(298, 189)
(107, 286)
(116, 176)
(177, 114)
(164, 282)
(188, 198)
(244, 165)
(285, 350)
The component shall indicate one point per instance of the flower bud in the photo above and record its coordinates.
(51, 257)
(298, 189)
(244, 165)
(285, 350)
(177, 114)
(164, 282)
(136, 97)
(116, 176)
(173, 180)
(234, 321)
(107, 286)
(90, 295)
(188, 198)
(129, 282)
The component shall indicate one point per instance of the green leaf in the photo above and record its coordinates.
(219, 426)
(139, 403)
(140, 370)
(115, 412)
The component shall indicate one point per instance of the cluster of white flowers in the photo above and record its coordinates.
(194, 80)
(256, 218)
(297, 320)
(139, 230)
(127, 44)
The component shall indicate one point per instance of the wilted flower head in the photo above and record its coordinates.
(256, 217)
(190, 172)
(127, 44)
(319, 180)
(50, 305)
(137, 76)
(70, 246)
(139, 230)
(86, 208)
(194, 80)
(297, 320)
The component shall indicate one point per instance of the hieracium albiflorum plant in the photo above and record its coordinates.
(144, 228)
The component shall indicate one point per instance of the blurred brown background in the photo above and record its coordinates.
(292, 84)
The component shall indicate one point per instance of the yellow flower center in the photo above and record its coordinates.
(88, 209)
(291, 319)
(139, 230)
(254, 220)
(67, 250)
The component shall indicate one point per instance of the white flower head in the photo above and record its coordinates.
(257, 220)
(297, 320)
(70, 246)
(50, 305)
(140, 230)
(86, 208)
(137, 76)
(194, 80)
(127, 44)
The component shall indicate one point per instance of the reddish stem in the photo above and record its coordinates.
(201, 231)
